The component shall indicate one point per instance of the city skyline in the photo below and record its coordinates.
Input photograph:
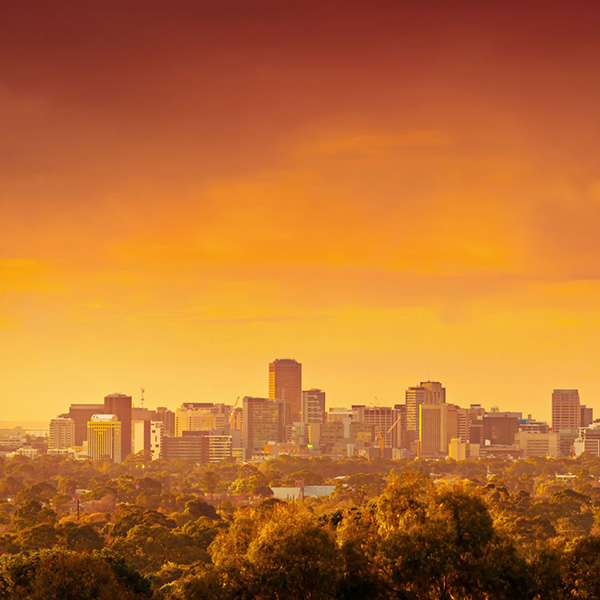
(142, 398)
(425, 426)
(388, 191)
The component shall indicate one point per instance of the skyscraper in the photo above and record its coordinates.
(264, 421)
(313, 406)
(566, 410)
(285, 383)
(120, 405)
(429, 392)
(415, 396)
(435, 393)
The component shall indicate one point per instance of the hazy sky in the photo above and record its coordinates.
(386, 191)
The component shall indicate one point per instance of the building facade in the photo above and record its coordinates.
(61, 433)
(285, 383)
(104, 437)
(264, 421)
(313, 406)
(81, 414)
(120, 405)
(566, 410)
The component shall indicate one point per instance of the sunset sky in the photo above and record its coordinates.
(387, 192)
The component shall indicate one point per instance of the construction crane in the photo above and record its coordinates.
(382, 436)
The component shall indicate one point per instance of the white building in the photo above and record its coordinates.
(62, 433)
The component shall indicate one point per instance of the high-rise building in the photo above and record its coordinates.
(81, 414)
(385, 421)
(587, 415)
(415, 396)
(566, 410)
(264, 421)
(202, 417)
(168, 418)
(433, 433)
(326, 435)
(435, 393)
(61, 433)
(313, 406)
(428, 392)
(402, 439)
(285, 383)
(120, 405)
(500, 428)
(104, 437)
(463, 423)
(140, 435)
(156, 439)
(140, 413)
(236, 419)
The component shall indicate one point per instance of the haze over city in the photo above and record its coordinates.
(388, 192)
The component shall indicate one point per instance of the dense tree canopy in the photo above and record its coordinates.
(411, 530)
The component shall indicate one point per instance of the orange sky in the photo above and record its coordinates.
(386, 191)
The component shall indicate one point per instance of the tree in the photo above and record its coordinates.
(82, 538)
(581, 569)
(280, 552)
(63, 575)
(210, 482)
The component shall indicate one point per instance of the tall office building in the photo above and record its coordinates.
(264, 421)
(434, 392)
(81, 414)
(104, 437)
(62, 433)
(120, 405)
(285, 383)
(384, 420)
(587, 416)
(156, 439)
(433, 432)
(500, 428)
(402, 440)
(566, 410)
(415, 396)
(167, 417)
(140, 435)
(313, 406)
(428, 392)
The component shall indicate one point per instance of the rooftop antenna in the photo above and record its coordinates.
(142, 399)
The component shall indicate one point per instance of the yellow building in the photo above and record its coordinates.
(104, 437)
